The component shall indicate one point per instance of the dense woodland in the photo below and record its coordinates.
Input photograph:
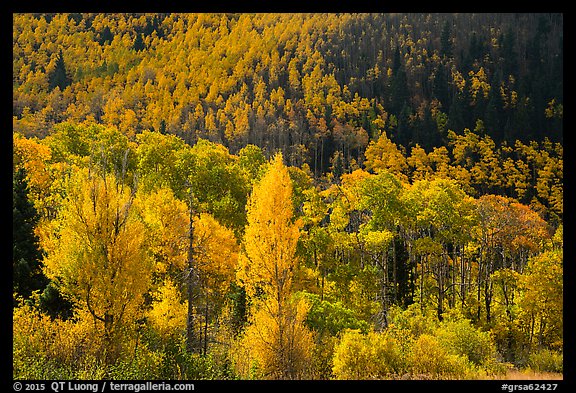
(287, 196)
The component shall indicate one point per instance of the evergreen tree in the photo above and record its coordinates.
(59, 76)
(440, 87)
(446, 47)
(28, 276)
(139, 43)
(105, 36)
(400, 95)
(508, 53)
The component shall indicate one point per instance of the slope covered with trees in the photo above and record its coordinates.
(287, 196)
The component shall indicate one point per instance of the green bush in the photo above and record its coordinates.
(332, 317)
(39, 368)
(412, 321)
(144, 364)
(461, 338)
(546, 360)
(175, 362)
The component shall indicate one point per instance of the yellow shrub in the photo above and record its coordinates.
(168, 314)
(38, 340)
(430, 359)
(367, 356)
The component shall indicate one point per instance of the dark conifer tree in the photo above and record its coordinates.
(446, 47)
(440, 87)
(139, 43)
(105, 36)
(59, 76)
(26, 257)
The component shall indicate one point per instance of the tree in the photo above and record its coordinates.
(167, 315)
(27, 256)
(438, 218)
(385, 155)
(216, 257)
(218, 182)
(33, 156)
(163, 161)
(270, 237)
(446, 45)
(251, 160)
(381, 196)
(542, 300)
(507, 234)
(59, 76)
(105, 36)
(139, 43)
(277, 335)
(97, 255)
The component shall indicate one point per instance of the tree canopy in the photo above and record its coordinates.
(287, 196)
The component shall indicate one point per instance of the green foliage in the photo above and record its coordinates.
(218, 185)
(461, 338)
(413, 321)
(453, 348)
(332, 317)
(546, 360)
(251, 159)
(26, 252)
(172, 362)
(59, 76)
(142, 365)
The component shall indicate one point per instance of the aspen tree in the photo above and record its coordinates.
(97, 254)
(277, 336)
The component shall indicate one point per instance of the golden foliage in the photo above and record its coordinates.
(98, 255)
(168, 313)
(216, 253)
(367, 356)
(270, 239)
(277, 340)
(385, 154)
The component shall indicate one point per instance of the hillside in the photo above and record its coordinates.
(287, 196)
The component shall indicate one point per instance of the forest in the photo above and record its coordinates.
(311, 196)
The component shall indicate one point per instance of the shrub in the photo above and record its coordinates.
(412, 321)
(367, 356)
(49, 349)
(430, 359)
(461, 338)
(144, 364)
(546, 360)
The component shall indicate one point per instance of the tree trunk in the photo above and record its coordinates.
(479, 288)
(462, 278)
(394, 272)
(192, 342)
(205, 349)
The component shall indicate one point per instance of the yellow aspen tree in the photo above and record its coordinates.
(216, 258)
(33, 156)
(215, 249)
(385, 154)
(277, 336)
(270, 239)
(98, 257)
(168, 312)
(420, 163)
